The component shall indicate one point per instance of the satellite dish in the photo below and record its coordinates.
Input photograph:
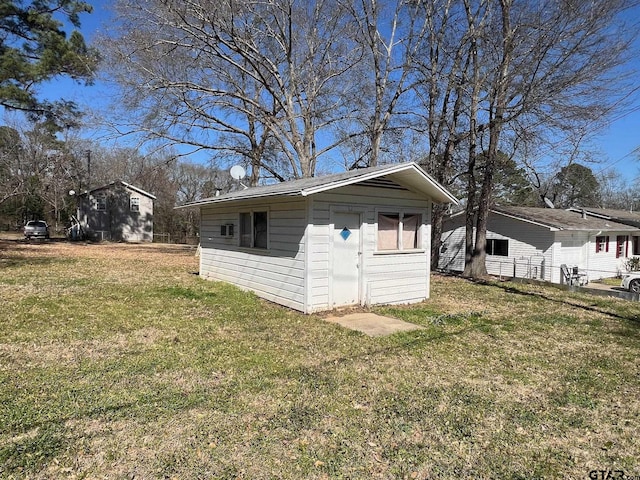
(72, 192)
(237, 172)
(549, 203)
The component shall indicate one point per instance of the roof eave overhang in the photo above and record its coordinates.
(111, 184)
(408, 175)
(215, 201)
(551, 228)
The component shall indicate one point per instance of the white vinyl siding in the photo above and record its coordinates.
(388, 277)
(276, 273)
(296, 269)
(605, 263)
(534, 251)
(530, 247)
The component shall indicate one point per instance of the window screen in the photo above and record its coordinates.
(254, 229)
(260, 229)
(388, 227)
(399, 231)
(410, 229)
(245, 229)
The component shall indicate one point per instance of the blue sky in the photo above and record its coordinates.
(618, 144)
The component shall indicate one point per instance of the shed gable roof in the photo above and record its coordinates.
(403, 175)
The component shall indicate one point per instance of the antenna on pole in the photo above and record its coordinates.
(237, 172)
(88, 169)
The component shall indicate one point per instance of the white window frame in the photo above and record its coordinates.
(134, 202)
(252, 213)
(401, 212)
(602, 243)
(100, 202)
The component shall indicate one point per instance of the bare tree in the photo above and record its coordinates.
(448, 97)
(253, 72)
(37, 170)
(550, 64)
(390, 34)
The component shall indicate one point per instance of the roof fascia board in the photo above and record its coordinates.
(391, 169)
(214, 201)
(111, 184)
(380, 173)
(139, 190)
(533, 222)
(351, 181)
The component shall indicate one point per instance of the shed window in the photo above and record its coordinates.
(498, 247)
(399, 231)
(254, 229)
(602, 244)
(621, 246)
(100, 201)
(135, 204)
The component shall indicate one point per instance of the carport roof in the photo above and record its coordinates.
(407, 175)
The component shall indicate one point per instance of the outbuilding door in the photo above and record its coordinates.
(345, 280)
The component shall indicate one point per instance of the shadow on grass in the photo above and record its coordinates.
(167, 249)
(564, 301)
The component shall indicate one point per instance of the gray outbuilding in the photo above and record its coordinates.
(117, 212)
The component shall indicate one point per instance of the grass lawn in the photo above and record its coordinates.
(117, 361)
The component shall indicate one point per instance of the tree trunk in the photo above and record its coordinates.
(477, 265)
(437, 220)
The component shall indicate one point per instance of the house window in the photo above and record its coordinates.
(135, 204)
(498, 247)
(621, 246)
(254, 229)
(100, 202)
(602, 243)
(636, 245)
(399, 231)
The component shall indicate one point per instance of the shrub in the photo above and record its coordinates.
(633, 264)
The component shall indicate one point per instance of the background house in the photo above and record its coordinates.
(527, 242)
(619, 216)
(118, 212)
(360, 237)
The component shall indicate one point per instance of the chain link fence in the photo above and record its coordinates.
(176, 238)
(530, 268)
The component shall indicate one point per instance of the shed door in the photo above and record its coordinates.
(346, 259)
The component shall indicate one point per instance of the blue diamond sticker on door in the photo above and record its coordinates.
(345, 233)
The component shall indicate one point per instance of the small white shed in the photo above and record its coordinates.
(354, 238)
